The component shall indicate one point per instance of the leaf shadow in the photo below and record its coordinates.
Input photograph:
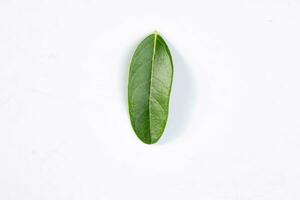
(182, 100)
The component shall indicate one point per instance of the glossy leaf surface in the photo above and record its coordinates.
(150, 81)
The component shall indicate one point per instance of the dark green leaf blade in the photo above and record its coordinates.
(150, 81)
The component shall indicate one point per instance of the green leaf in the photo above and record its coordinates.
(149, 87)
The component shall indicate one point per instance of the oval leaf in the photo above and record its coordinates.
(150, 81)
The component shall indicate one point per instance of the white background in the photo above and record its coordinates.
(234, 126)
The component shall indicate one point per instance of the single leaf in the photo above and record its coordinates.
(149, 87)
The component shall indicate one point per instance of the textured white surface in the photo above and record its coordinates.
(234, 126)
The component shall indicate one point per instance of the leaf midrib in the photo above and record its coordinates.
(151, 74)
